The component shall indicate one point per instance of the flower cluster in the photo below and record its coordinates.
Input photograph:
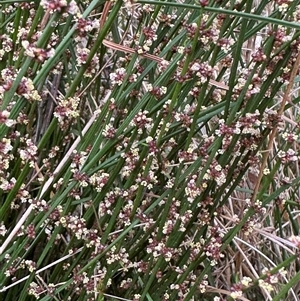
(270, 280)
(118, 77)
(6, 45)
(99, 179)
(157, 92)
(67, 111)
(25, 87)
(29, 152)
(86, 26)
(237, 289)
(5, 154)
(141, 121)
(60, 5)
(288, 156)
(39, 54)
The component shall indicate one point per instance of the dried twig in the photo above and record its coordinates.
(152, 57)
(285, 99)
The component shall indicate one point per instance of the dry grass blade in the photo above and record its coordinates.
(278, 240)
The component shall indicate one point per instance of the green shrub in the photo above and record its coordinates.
(149, 150)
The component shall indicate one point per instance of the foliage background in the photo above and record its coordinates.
(149, 150)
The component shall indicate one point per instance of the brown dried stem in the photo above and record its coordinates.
(285, 99)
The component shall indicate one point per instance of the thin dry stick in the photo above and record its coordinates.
(122, 48)
(285, 99)
(106, 9)
(5, 288)
(152, 57)
(45, 18)
(224, 292)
